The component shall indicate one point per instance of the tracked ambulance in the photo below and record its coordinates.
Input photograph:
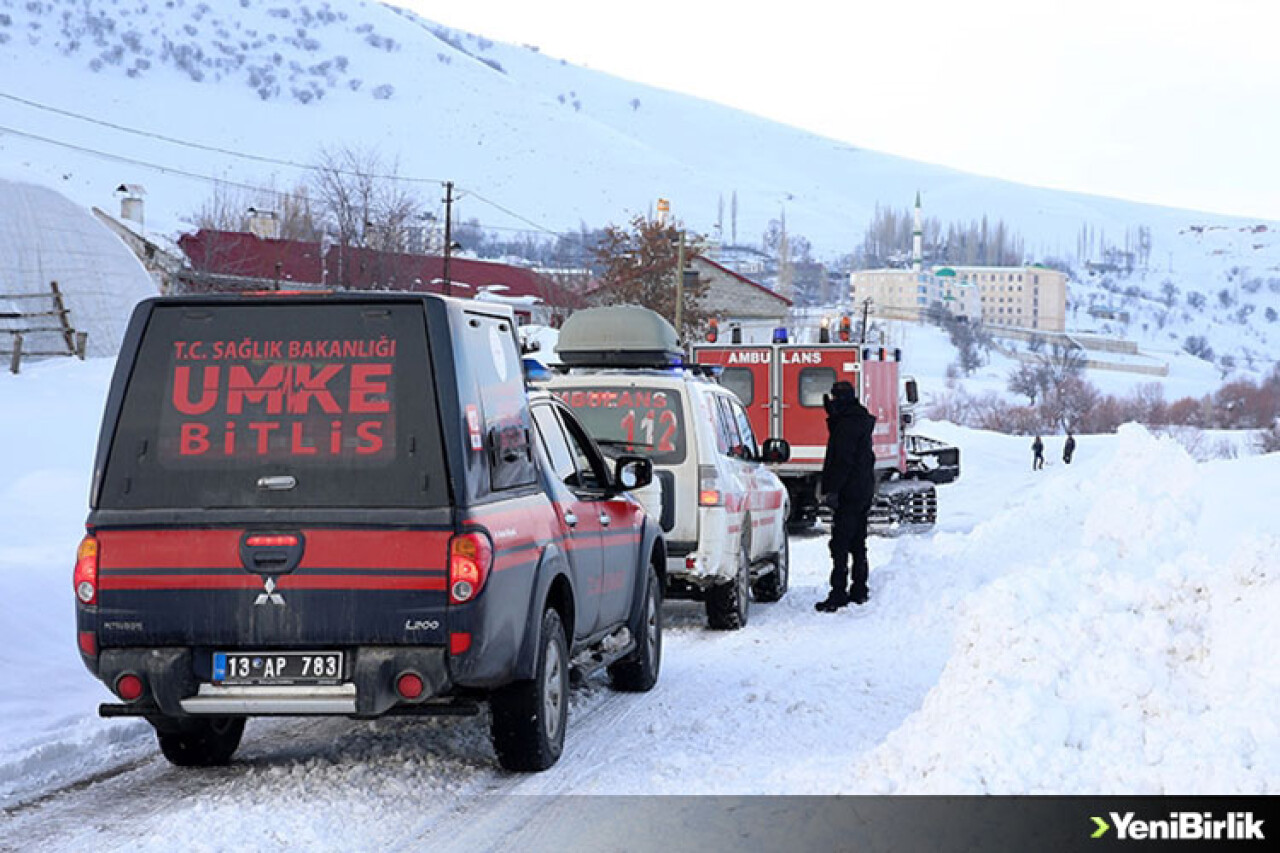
(781, 384)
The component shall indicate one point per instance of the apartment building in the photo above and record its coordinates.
(1025, 297)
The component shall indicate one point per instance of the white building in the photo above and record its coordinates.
(1024, 297)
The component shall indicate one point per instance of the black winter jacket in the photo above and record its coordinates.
(848, 470)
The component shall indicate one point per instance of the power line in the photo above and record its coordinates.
(211, 148)
(240, 154)
(517, 216)
(133, 161)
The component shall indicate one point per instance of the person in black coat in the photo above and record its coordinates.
(1069, 449)
(1037, 454)
(848, 487)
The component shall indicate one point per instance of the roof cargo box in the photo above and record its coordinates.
(619, 336)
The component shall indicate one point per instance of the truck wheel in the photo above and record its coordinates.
(773, 586)
(199, 742)
(728, 603)
(529, 717)
(639, 671)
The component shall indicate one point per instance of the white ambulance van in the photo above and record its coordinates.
(721, 508)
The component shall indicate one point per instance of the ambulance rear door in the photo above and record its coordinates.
(803, 374)
(880, 396)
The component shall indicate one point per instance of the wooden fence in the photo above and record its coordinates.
(55, 320)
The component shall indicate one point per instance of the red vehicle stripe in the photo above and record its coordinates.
(246, 581)
(383, 549)
(285, 582)
(392, 550)
(288, 582)
(174, 549)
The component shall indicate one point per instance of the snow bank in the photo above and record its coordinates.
(1127, 645)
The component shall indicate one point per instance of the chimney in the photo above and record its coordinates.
(264, 224)
(131, 202)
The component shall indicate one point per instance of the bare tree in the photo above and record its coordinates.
(1061, 362)
(1061, 369)
(230, 208)
(733, 217)
(638, 266)
(1027, 381)
(363, 204)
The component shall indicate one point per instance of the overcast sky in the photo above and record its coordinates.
(1174, 102)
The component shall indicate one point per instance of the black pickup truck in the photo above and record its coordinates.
(350, 505)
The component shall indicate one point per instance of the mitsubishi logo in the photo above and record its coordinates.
(269, 596)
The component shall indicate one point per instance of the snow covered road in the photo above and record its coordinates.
(818, 690)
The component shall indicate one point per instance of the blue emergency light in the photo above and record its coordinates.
(780, 335)
(534, 370)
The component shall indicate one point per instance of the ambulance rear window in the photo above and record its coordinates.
(272, 405)
(814, 383)
(631, 419)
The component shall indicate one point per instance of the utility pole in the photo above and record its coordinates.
(866, 309)
(680, 284)
(448, 235)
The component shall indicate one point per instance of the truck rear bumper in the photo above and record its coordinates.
(176, 684)
(337, 699)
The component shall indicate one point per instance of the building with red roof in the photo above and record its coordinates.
(232, 260)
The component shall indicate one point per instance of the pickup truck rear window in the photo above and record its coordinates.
(631, 419)
(271, 405)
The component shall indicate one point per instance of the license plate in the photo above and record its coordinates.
(277, 667)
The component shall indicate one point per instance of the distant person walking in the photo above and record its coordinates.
(1037, 450)
(1069, 449)
(848, 487)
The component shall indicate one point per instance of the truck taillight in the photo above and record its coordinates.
(85, 579)
(470, 560)
(709, 493)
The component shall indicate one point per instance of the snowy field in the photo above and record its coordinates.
(1099, 628)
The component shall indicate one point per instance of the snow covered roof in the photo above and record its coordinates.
(46, 238)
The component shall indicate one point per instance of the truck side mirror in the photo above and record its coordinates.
(913, 393)
(776, 450)
(633, 472)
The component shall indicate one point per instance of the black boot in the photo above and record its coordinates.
(858, 595)
(834, 601)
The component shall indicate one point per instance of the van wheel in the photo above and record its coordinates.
(199, 742)
(639, 671)
(529, 717)
(728, 603)
(773, 586)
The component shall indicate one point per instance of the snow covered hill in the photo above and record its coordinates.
(175, 94)
(190, 98)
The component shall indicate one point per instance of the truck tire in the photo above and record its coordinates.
(638, 672)
(773, 586)
(199, 742)
(728, 603)
(529, 717)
